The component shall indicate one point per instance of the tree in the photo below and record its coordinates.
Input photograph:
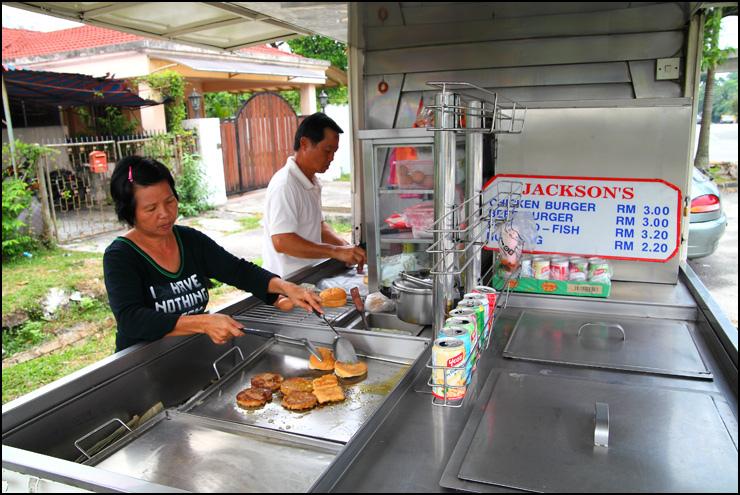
(322, 48)
(711, 58)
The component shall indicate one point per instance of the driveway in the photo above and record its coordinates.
(719, 271)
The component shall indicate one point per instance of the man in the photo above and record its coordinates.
(296, 235)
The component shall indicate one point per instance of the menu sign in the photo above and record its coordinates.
(624, 219)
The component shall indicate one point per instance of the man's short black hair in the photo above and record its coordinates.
(136, 170)
(313, 127)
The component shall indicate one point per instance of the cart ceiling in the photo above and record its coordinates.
(214, 25)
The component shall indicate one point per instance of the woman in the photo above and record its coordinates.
(157, 274)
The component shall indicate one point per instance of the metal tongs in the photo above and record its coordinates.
(303, 341)
(344, 351)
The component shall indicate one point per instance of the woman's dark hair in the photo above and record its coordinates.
(140, 171)
(313, 127)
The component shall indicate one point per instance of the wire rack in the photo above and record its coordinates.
(263, 313)
(505, 116)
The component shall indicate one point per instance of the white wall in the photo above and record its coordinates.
(209, 147)
(342, 158)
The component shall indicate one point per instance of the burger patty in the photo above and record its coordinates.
(296, 385)
(267, 380)
(299, 401)
(253, 397)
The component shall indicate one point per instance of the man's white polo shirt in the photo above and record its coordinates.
(293, 205)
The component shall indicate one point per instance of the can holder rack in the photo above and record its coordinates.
(500, 215)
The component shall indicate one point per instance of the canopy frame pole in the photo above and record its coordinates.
(9, 123)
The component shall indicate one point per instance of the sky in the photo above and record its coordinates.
(18, 18)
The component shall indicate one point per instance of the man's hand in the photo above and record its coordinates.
(350, 255)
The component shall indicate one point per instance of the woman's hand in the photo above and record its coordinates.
(221, 328)
(297, 295)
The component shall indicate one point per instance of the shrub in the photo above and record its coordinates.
(191, 186)
(16, 198)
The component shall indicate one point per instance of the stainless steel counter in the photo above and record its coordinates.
(411, 447)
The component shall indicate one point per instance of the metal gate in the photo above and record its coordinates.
(78, 194)
(257, 142)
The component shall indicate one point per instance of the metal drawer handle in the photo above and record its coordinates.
(77, 442)
(602, 324)
(601, 425)
(224, 355)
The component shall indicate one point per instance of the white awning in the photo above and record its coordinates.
(214, 25)
(244, 67)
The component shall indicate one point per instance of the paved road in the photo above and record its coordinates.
(722, 142)
(719, 271)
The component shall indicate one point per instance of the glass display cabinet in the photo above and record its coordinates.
(398, 175)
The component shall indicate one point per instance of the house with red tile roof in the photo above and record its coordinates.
(99, 52)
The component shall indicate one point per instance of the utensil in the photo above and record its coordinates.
(303, 341)
(344, 351)
(355, 293)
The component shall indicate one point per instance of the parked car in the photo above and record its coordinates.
(707, 221)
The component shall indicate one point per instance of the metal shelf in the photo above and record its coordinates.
(388, 190)
(404, 238)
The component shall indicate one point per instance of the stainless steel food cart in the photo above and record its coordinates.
(636, 392)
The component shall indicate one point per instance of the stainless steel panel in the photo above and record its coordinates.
(631, 299)
(606, 142)
(537, 433)
(553, 51)
(388, 323)
(335, 422)
(576, 92)
(547, 75)
(380, 108)
(481, 27)
(200, 456)
(652, 346)
(643, 80)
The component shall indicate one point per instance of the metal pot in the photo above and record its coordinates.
(413, 304)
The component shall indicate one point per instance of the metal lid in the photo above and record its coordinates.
(410, 287)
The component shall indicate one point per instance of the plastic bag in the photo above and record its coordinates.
(392, 266)
(346, 282)
(378, 303)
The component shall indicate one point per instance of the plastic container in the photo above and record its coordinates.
(421, 218)
(415, 174)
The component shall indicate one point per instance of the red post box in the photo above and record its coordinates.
(98, 162)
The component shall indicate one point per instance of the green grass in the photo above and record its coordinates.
(26, 281)
(345, 177)
(251, 222)
(25, 377)
(341, 227)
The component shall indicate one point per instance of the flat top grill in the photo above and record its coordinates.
(333, 422)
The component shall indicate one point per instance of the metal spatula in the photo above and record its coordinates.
(344, 351)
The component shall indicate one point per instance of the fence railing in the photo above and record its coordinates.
(78, 192)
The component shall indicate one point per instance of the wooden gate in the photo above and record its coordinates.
(257, 142)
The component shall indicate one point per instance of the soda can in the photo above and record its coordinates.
(541, 268)
(559, 268)
(486, 303)
(490, 293)
(598, 270)
(526, 271)
(448, 361)
(469, 323)
(481, 314)
(472, 315)
(578, 269)
(462, 333)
